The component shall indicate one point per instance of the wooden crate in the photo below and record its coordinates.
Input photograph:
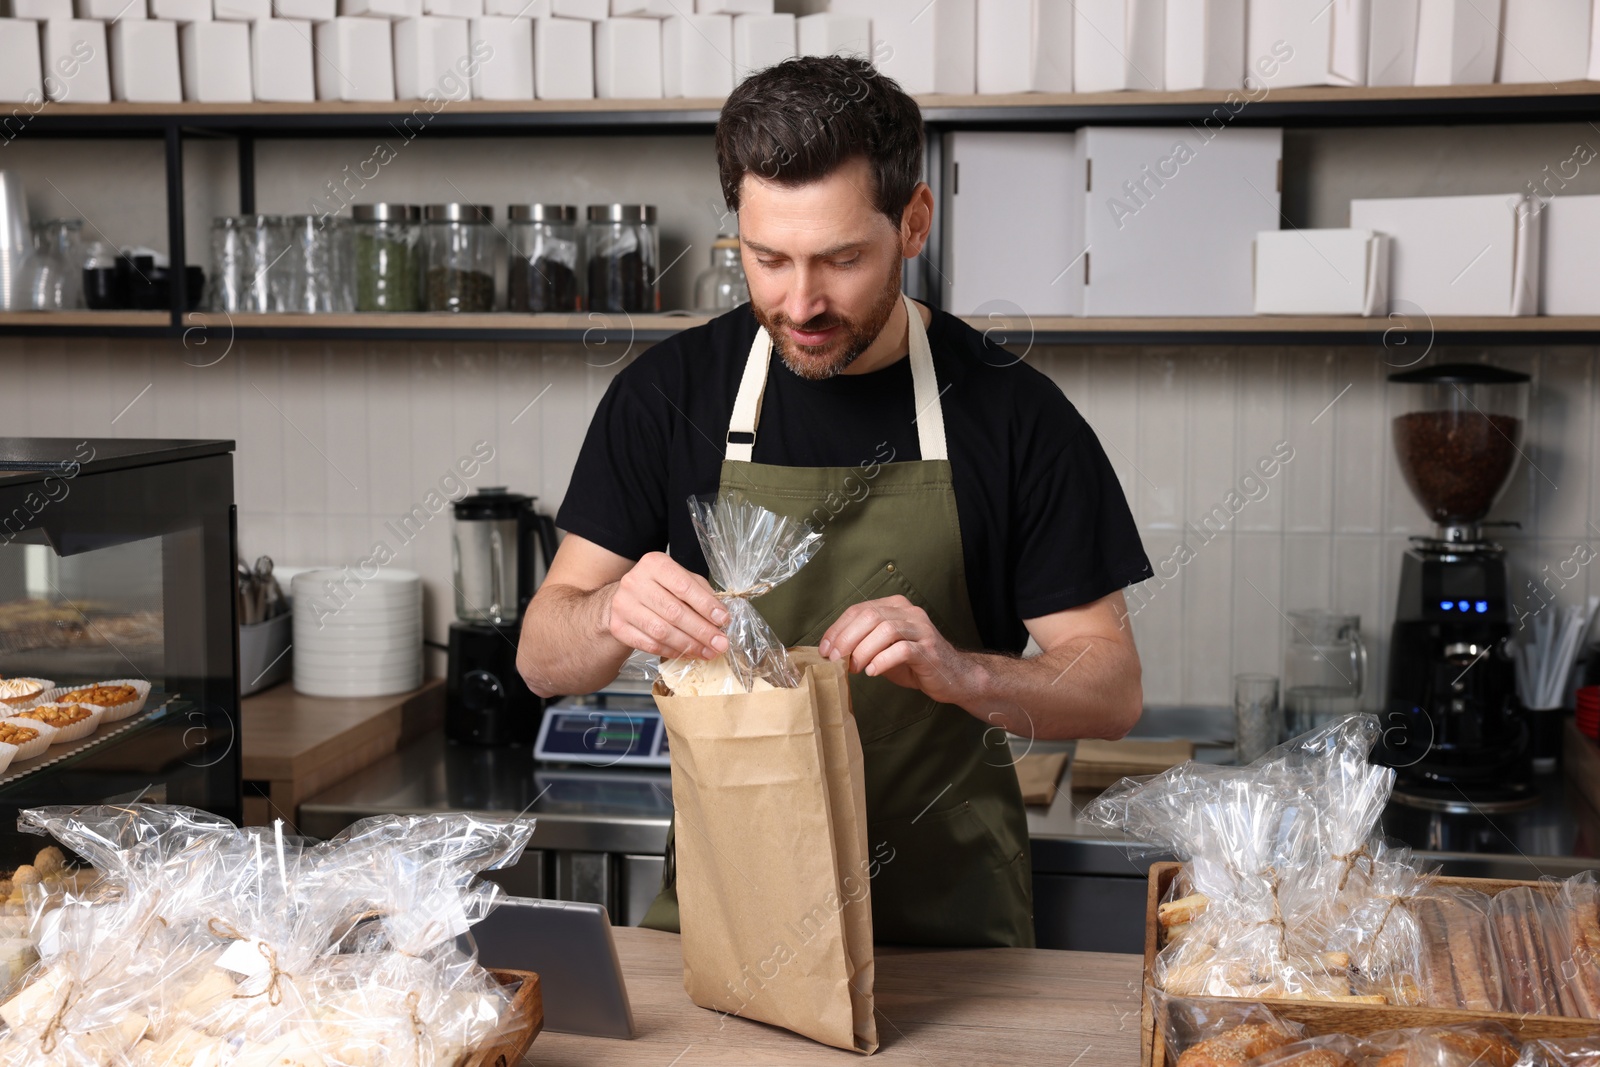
(524, 1019)
(1330, 1018)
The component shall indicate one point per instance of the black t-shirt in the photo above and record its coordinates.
(1044, 524)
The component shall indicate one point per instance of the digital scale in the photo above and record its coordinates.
(606, 729)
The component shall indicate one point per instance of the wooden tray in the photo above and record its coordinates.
(524, 1019)
(1331, 1018)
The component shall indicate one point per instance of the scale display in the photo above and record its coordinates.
(603, 730)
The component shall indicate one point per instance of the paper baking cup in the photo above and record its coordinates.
(37, 746)
(114, 712)
(7, 754)
(78, 729)
(20, 703)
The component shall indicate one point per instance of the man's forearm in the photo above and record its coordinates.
(1088, 687)
(566, 644)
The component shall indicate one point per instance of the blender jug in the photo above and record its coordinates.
(496, 562)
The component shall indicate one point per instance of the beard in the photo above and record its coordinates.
(855, 336)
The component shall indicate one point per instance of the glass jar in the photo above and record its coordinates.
(459, 250)
(54, 273)
(386, 256)
(306, 266)
(542, 273)
(623, 251)
(242, 248)
(723, 286)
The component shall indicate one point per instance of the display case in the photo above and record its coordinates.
(117, 564)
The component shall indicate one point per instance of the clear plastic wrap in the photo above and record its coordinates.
(1460, 962)
(1203, 1032)
(1526, 932)
(1380, 932)
(1326, 1050)
(1561, 1052)
(1578, 907)
(749, 550)
(206, 944)
(1467, 1045)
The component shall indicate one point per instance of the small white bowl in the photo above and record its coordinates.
(63, 734)
(37, 746)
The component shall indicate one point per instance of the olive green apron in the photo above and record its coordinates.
(946, 827)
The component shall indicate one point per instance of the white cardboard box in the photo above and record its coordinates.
(989, 270)
(310, 10)
(563, 59)
(144, 61)
(697, 55)
(386, 9)
(241, 10)
(1569, 272)
(761, 41)
(76, 63)
(733, 7)
(112, 10)
(1204, 43)
(1171, 218)
(927, 48)
(216, 62)
(627, 59)
(1458, 255)
(1392, 42)
(589, 10)
(427, 52)
(1458, 42)
(1024, 46)
(654, 9)
(830, 34)
(1545, 40)
(21, 80)
(39, 10)
(506, 73)
(280, 60)
(1119, 44)
(1321, 272)
(181, 10)
(355, 59)
(453, 9)
(1307, 42)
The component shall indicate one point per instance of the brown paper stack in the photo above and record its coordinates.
(773, 876)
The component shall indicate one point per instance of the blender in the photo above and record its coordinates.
(500, 549)
(1453, 727)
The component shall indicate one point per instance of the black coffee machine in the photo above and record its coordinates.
(500, 550)
(1453, 726)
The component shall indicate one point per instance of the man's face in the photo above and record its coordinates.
(823, 265)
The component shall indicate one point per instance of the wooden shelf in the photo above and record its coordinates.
(108, 320)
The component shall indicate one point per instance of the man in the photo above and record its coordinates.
(964, 505)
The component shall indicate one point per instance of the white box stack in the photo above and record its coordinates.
(144, 61)
(1024, 46)
(925, 47)
(310, 10)
(112, 10)
(40, 10)
(21, 79)
(75, 61)
(761, 41)
(627, 59)
(1307, 42)
(1204, 44)
(280, 60)
(1119, 44)
(697, 55)
(1171, 218)
(216, 62)
(241, 10)
(563, 59)
(1322, 272)
(733, 7)
(453, 9)
(830, 34)
(387, 9)
(181, 10)
(652, 9)
(1458, 41)
(355, 59)
(1545, 40)
(507, 71)
(426, 54)
(1459, 255)
(589, 10)
(1569, 274)
(1392, 43)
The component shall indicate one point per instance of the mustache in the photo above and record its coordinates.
(814, 325)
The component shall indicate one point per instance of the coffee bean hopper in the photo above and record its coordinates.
(1453, 727)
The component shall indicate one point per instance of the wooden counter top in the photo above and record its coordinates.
(997, 1006)
(292, 746)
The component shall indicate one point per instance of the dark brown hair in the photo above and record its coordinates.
(798, 121)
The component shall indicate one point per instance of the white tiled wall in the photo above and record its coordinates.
(336, 439)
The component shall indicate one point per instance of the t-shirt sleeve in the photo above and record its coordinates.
(1076, 539)
(618, 494)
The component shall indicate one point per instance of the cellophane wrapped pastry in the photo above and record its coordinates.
(204, 944)
(749, 550)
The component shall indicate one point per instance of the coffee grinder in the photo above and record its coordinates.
(500, 550)
(1453, 726)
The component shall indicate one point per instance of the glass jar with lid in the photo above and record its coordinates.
(386, 255)
(459, 253)
(722, 286)
(542, 274)
(623, 251)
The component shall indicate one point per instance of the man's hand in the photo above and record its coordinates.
(895, 639)
(664, 609)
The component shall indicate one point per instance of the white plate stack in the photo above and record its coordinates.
(357, 637)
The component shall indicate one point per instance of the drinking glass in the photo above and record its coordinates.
(1257, 719)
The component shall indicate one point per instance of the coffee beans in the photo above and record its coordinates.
(1456, 462)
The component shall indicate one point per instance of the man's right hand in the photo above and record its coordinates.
(662, 608)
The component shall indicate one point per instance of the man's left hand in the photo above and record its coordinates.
(895, 639)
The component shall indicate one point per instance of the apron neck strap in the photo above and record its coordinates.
(741, 440)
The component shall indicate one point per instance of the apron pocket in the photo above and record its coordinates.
(944, 879)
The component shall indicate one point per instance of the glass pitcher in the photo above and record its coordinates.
(1324, 669)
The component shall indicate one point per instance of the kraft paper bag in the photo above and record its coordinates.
(773, 875)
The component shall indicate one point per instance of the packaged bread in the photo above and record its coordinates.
(1578, 920)
(1529, 941)
(1482, 1044)
(1461, 965)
